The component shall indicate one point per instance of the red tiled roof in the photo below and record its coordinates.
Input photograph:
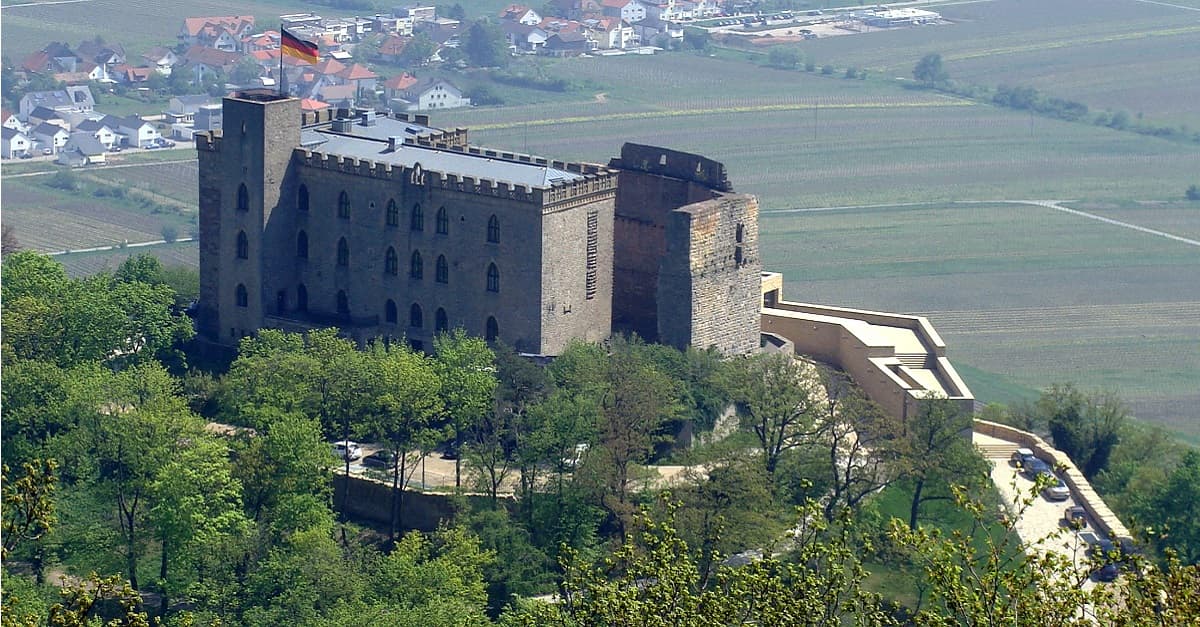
(393, 45)
(329, 66)
(401, 81)
(37, 62)
(310, 104)
(196, 25)
(262, 56)
(357, 72)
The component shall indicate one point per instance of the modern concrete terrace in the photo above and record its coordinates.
(898, 360)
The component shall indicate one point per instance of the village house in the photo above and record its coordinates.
(58, 100)
(611, 33)
(8, 119)
(161, 59)
(103, 133)
(523, 37)
(360, 77)
(182, 109)
(81, 149)
(392, 49)
(435, 93)
(520, 14)
(632, 11)
(220, 33)
(129, 75)
(568, 44)
(137, 132)
(100, 53)
(50, 137)
(46, 115)
(202, 61)
(15, 144)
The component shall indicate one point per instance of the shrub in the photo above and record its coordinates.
(827, 70)
(810, 67)
(64, 179)
(170, 233)
(1193, 192)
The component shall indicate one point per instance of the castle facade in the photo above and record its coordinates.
(387, 227)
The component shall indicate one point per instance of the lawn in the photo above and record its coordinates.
(1024, 296)
(83, 264)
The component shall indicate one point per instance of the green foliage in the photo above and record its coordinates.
(936, 454)
(777, 398)
(1084, 426)
(1171, 510)
(28, 512)
(786, 57)
(484, 44)
(1193, 192)
(929, 70)
(64, 179)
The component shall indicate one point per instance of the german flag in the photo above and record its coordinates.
(296, 47)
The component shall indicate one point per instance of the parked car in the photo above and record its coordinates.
(1031, 468)
(380, 459)
(1021, 455)
(1104, 550)
(1076, 515)
(1057, 491)
(347, 450)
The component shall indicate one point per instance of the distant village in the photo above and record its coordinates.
(219, 54)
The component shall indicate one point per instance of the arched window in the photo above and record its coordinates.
(493, 278)
(243, 246)
(302, 198)
(243, 199)
(389, 311)
(443, 270)
(343, 303)
(493, 230)
(301, 298)
(391, 264)
(741, 232)
(493, 329)
(344, 205)
(443, 221)
(418, 218)
(302, 245)
(415, 318)
(416, 267)
(343, 253)
(439, 322)
(393, 214)
(243, 297)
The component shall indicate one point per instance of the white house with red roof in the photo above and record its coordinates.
(520, 14)
(632, 11)
(161, 59)
(222, 32)
(358, 75)
(611, 33)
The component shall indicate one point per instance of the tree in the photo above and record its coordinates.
(466, 367)
(862, 443)
(9, 243)
(785, 57)
(1193, 193)
(485, 45)
(929, 70)
(1173, 510)
(138, 428)
(418, 50)
(246, 71)
(197, 511)
(937, 454)
(777, 398)
(28, 512)
(367, 50)
(1087, 427)
(408, 403)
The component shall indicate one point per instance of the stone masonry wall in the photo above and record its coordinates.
(654, 182)
(709, 284)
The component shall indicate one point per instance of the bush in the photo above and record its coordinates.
(851, 72)
(1193, 192)
(810, 67)
(827, 70)
(483, 95)
(64, 179)
(170, 233)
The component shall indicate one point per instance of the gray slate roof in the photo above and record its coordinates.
(371, 143)
(85, 144)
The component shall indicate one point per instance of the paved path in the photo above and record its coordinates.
(96, 249)
(1040, 525)
(93, 168)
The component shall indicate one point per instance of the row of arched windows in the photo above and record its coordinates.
(416, 317)
(391, 261)
(392, 213)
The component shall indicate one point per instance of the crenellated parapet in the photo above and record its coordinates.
(597, 182)
(209, 141)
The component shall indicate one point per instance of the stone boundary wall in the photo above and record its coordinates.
(371, 500)
(1096, 508)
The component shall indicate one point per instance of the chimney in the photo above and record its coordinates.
(367, 118)
(395, 142)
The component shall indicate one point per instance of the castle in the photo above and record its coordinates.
(387, 227)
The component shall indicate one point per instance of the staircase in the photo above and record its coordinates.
(913, 360)
(997, 450)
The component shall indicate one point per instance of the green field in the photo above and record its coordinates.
(1034, 295)
(1109, 54)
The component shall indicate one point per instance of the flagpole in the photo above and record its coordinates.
(279, 79)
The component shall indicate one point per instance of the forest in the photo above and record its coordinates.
(145, 483)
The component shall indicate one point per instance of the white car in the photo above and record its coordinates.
(347, 450)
